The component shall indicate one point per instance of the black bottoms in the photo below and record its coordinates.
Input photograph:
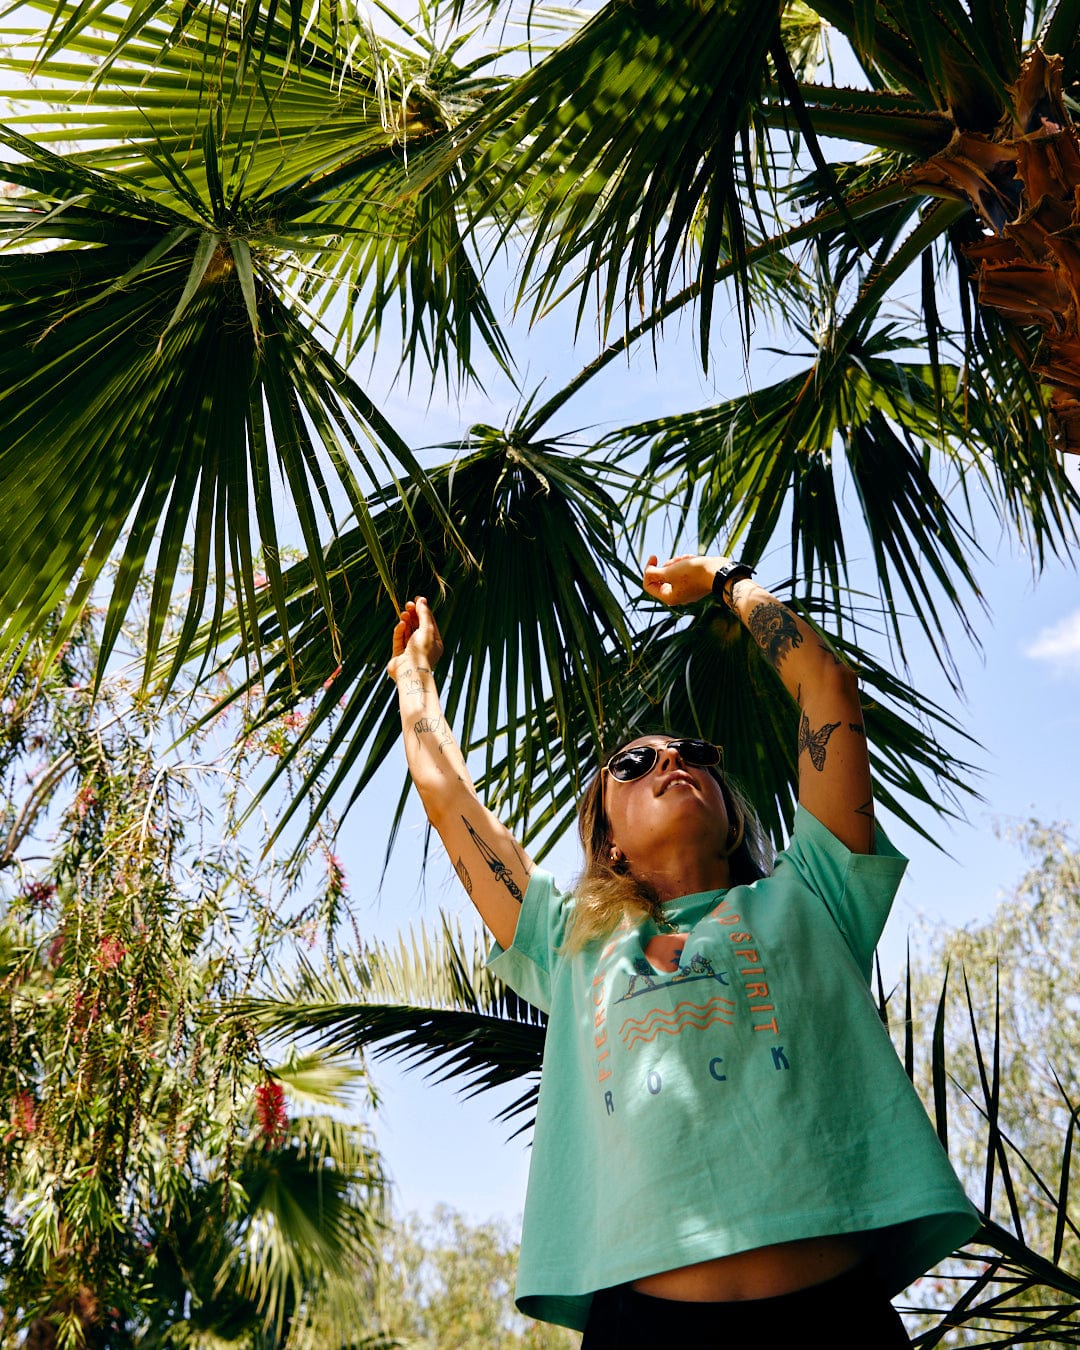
(846, 1313)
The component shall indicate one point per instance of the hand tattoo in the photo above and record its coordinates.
(499, 869)
(815, 741)
(774, 630)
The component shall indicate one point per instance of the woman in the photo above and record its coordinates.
(726, 1143)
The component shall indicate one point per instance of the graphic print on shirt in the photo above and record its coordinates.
(672, 1021)
(664, 952)
(661, 965)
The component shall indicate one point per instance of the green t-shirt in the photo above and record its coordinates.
(725, 1087)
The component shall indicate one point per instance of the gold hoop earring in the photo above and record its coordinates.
(735, 837)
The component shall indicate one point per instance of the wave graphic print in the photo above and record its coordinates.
(677, 1019)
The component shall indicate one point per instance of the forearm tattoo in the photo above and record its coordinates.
(463, 875)
(857, 728)
(774, 630)
(499, 869)
(438, 726)
(815, 741)
(733, 593)
(412, 686)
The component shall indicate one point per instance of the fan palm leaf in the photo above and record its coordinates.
(151, 376)
(634, 119)
(429, 1001)
(310, 143)
(529, 629)
(862, 414)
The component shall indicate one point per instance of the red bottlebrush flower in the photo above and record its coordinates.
(270, 1113)
(56, 948)
(23, 1116)
(85, 798)
(26, 1109)
(39, 894)
(336, 883)
(110, 953)
(294, 720)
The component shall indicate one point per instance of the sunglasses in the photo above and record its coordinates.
(627, 765)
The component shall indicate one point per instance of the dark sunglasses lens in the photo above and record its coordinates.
(701, 754)
(630, 764)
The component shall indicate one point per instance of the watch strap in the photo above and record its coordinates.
(729, 572)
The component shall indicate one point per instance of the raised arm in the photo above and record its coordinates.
(489, 861)
(834, 763)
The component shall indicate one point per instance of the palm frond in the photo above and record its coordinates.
(535, 620)
(637, 122)
(309, 146)
(429, 1002)
(151, 377)
(755, 455)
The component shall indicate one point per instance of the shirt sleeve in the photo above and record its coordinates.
(857, 888)
(527, 964)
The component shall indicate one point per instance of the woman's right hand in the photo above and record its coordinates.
(417, 641)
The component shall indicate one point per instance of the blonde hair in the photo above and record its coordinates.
(607, 890)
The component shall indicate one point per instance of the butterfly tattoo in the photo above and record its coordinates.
(815, 741)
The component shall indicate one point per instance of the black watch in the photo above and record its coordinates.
(732, 571)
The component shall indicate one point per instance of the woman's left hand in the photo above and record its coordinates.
(682, 580)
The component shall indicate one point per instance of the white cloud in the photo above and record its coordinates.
(1059, 644)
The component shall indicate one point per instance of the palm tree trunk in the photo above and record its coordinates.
(1024, 183)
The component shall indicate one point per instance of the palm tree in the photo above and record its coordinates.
(215, 209)
(240, 203)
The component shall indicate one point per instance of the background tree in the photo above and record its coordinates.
(162, 1181)
(449, 1286)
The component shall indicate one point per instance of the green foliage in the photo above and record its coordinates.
(213, 212)
(993, 1045)
(448, 1285)
(163, 1182)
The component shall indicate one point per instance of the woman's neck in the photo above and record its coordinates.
(686, 876)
